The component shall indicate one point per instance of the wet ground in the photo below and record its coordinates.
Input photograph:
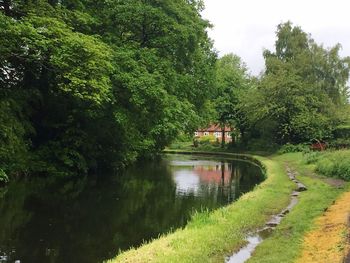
(254, 239)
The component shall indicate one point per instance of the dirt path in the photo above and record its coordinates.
(329, 241)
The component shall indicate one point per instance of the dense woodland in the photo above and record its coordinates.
(89, 85)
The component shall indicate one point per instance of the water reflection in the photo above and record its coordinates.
(203, 177)
(91, 219)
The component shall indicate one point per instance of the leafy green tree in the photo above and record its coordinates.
(302, 90)
(231, 79)
(88, 84)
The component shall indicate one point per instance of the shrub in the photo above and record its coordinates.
(195, 143)
(340, 143)
(334, 164)
(342, 132)
(292, 148)
(207, 139)
(312, 157)
(261, 145)
(3, 177)
(184, 137)
(209, 147)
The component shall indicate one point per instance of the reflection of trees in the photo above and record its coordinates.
(12, 216)
(19, 209)
(89, 220)
(243, 177)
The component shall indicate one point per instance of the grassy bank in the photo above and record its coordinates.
(331, 163)
(209, 237)
(286, 243)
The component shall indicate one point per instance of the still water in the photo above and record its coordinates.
(92, 219)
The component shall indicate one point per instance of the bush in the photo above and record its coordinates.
(312, 157)
(342, 132)
(209, 147)
(334, 164)
(261, 145)
(340, 143)
(207, 139)
(184, 137)
(195, 143)
(292, 148)
(3, 177)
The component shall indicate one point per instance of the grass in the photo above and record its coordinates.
(188, 146)
(286, 243)
(332, 163)
(209, 237)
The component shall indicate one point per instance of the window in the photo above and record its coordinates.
(196, 134)
(206, 133)
(217, 134)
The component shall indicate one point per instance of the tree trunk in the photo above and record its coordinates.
(6, 6)
(223, 174)
(222, 136)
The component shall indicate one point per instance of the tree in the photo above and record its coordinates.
(96, 84)
(231, 79)
(302, 90)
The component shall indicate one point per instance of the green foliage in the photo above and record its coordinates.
(292, 148)
(231, 80)
(257, 144)
(3, 177)
(182, 145)
(311, 157)
(342, 131)
(184, 137)
(340, 143)
(207, 139)
(302, 92)
(88, 85)
(333, 163)
(13, 145)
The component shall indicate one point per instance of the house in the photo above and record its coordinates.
(216, 131)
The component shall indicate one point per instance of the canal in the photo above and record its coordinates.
(92, 219)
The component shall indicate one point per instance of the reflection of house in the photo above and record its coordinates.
(216, 131)
(218, 174)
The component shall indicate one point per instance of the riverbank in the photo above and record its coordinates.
(210, 237)
(213, 236)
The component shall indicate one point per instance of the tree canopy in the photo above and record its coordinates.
(302, 90)
(87, 85)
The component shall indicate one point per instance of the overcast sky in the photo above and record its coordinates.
(245, 27)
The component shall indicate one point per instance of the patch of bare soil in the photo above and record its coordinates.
(329, 241)
(335, 182)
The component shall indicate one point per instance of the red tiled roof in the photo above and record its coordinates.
(215, 128)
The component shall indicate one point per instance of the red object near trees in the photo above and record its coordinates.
(318, 146)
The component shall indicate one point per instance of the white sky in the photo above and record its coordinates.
(245, 27)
